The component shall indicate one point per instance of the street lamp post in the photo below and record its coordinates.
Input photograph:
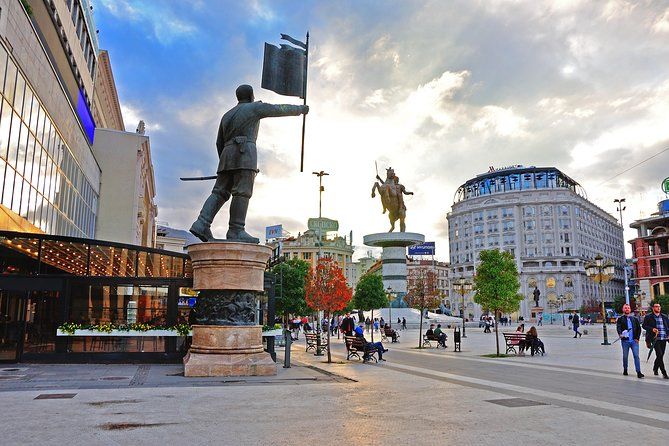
(561, 301)
(600, 272)
(463, 287)
(620, 207)
(389, 291)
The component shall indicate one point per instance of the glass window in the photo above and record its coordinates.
(564, 209)
(5, 125)
(509, 239)
(529, 239)
(508, 225)
(492, 213)
(493, 227)
(529, 225)
(546, 223)
(547, 237)
(478, 216)
(10, 81)
(546, 209)
(528, 211)
(14, 140)
(478, 229)
(507, 212)
(3, 66)
(565, 223)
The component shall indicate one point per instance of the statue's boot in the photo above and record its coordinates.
(236, 232)
(202, 226)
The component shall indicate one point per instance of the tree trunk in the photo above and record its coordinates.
(420, 331)
(494, 321)
(328, 337)
(372, 318)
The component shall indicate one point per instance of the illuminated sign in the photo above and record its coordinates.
(665, 186)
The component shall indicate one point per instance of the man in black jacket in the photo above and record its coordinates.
(656, 325)
(629, 331)
(347, 325)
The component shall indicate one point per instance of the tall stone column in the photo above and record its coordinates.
(394, 257)
(227, 340)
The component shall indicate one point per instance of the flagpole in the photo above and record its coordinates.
(304, 117)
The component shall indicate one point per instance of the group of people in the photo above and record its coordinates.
(656, 325)
(531, 341)
(438, 333)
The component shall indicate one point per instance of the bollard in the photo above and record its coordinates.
(318, 352)
(456, 339)
(288, 336)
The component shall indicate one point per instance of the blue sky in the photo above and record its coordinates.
(440, 90)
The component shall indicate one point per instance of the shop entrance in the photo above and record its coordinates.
(12, 320)
(28, 323)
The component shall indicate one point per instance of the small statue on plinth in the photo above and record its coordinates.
(238, 164)
(536, 293)
(392, 198)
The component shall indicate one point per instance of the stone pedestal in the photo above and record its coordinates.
(228, 340)
(393, 258)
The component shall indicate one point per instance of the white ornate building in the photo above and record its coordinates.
(543, 218)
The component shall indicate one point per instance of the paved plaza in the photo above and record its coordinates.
(575, 394)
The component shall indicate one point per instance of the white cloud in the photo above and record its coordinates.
(500, 121)
(132, 116)
(262, 11)
(661, 25)
(166, 25)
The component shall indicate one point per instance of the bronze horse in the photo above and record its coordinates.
(391, 192)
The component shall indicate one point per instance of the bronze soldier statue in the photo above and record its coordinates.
(238, 163)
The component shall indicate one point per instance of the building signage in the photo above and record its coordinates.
(273, 231)
(323, 224)
(426, 249)
(665, 186)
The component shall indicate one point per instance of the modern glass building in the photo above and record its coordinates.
(42, 181)
(542, 217)
(48, 280)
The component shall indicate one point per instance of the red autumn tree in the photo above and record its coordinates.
(326, 289)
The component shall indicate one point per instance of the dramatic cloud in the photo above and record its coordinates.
(437, 93)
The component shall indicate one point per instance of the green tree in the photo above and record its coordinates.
(290, 280)
(663, 300)
(496, 285)
(369, 294)
(619, 301)
(422, 293)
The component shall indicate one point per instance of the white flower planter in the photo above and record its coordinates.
(131, 333)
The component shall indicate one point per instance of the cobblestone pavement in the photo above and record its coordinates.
(575, 395)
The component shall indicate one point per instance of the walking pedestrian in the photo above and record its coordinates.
(404, 323)
(629, 331)
(347, 325)
(575, 324)
(656, 325)
(368, 323)
(540, 319)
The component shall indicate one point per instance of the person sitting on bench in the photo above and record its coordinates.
(441, 336)
(532, 341)
(360, 333)
(430, 331)
(393, 333)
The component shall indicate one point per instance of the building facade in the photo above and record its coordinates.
(106, 106)
(651, 255)
(543, 218)
(127, 209)
(175, 240)
(50, 177)
(441, 273)
(306, 247)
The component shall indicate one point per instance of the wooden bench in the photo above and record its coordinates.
(356, 345)
(312, 339)
(429, 339)
(514, 341)
(388, 333)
